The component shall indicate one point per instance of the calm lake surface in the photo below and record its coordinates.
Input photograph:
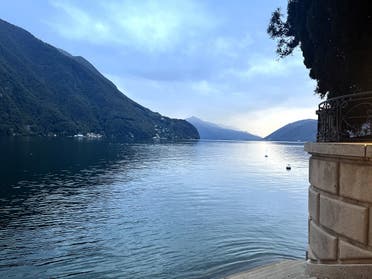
(94, 209)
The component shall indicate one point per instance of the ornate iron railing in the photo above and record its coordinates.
(345, 118)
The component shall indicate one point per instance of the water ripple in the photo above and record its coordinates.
(182, 210)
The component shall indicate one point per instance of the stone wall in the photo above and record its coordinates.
(340, 210)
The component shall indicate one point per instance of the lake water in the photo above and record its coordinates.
(94, 209)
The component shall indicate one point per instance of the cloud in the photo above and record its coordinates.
(80, 25)
(260, 65)
(256, 107)
(204, 87)
(160, 40)
(267, 66)
(189, 57)
(264, 122)
(146, 25)
(230, 46)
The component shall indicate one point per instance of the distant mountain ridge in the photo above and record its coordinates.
(213, 131)
(302, 130)
(47, 91)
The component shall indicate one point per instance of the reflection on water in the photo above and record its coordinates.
(89, 209)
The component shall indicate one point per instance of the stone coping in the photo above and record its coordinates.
(357, 149)
(284, 269)
(339, 271)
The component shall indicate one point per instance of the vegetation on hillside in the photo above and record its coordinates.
(45, 91)
(302, 130)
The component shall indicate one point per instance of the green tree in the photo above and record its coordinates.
(335, 37)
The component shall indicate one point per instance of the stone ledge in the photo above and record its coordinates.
(339, 271)
(361, 150)
(285, 269)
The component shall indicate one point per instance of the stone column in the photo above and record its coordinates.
(340, 210)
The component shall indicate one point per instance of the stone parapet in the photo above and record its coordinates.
(340, 210)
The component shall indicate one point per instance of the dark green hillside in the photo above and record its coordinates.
(44, 90)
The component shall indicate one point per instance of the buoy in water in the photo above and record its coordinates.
(288, 167)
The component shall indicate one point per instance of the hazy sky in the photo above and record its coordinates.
(207, 58)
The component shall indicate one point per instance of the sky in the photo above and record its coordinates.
(206, 58)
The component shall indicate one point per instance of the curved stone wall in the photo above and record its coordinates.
(340, 210)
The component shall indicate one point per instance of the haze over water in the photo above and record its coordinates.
(94, 209)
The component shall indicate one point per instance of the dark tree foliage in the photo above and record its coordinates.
(335, 37)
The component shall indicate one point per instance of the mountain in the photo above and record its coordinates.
(44, 91)
(302, 130)
(212, 131)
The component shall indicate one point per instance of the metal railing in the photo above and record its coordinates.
(346, 118)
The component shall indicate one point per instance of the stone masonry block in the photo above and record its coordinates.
(314, 205)
(310, 254)
(370, 226)
(323, 244)
(351, 252)
(344, 218)
(323, 174)
(356, 181)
